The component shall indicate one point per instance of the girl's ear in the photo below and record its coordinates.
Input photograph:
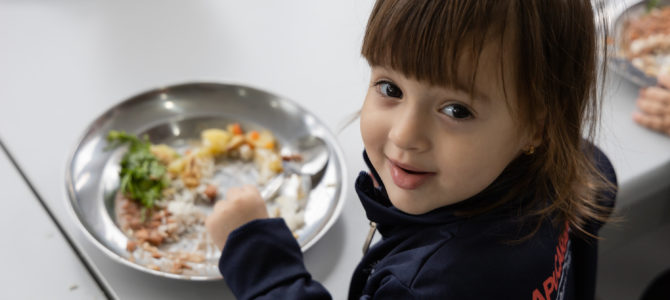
(537, 136)
(533, 140)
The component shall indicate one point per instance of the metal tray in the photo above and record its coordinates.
(620, 13)
(173, 115)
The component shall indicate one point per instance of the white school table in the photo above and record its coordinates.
(63, 63)
(37, 260)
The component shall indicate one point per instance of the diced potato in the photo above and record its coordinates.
(176, 166)
(275, 164)
(206, 152)
(268, 162)
(215, 140)
(164, 153)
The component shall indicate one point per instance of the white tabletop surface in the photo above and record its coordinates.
(37, 261)
(63, 63)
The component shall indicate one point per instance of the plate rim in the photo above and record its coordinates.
(136, 97)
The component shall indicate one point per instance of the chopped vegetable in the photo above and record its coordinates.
(262, 139)
(236, 129)
(143, 176)
(651, 4)
(254, 135)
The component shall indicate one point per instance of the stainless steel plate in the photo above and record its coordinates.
(175, 115)
(621, 12)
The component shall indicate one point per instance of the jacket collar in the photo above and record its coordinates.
(380, 210)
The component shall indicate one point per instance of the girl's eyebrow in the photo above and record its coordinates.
(474, 92)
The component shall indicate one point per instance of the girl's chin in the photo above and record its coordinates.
(408, 205)
(417, 202)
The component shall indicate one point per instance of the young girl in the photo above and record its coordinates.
(481, 184)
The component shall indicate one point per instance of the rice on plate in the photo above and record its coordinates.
(166, 193)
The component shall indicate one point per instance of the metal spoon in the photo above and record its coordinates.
(314, 156)
(632, 72)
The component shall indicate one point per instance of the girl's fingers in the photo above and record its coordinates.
(664, 80)
(252, 189)
(656, 122)
(651, 106)
(656, 93)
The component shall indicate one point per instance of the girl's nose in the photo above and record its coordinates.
(409, 131)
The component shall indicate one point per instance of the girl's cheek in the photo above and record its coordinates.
(365, 128)
(372, 126)
(373, 138)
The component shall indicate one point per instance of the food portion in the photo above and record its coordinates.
(143, 176)
(165, 193)
(645, 41)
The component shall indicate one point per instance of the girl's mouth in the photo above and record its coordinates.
(407, 178)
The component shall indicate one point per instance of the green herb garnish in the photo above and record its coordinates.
(651, 4)
(142, 175)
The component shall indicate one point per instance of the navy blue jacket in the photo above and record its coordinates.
(437, 255)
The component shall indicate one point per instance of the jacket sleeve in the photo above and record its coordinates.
(262, 260)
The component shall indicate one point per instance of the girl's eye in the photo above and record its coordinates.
(456, 111)
(389, 89)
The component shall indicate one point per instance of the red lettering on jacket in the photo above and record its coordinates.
(550, 284)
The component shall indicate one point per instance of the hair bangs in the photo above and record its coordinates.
(433, 42)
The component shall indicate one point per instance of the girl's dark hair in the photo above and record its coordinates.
(555, 46)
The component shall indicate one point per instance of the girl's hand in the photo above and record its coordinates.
(240, 206)
(654, 105)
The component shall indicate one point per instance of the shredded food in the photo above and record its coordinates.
(169, 236)
(646, 41)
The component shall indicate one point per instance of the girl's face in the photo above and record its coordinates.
(434, 146)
